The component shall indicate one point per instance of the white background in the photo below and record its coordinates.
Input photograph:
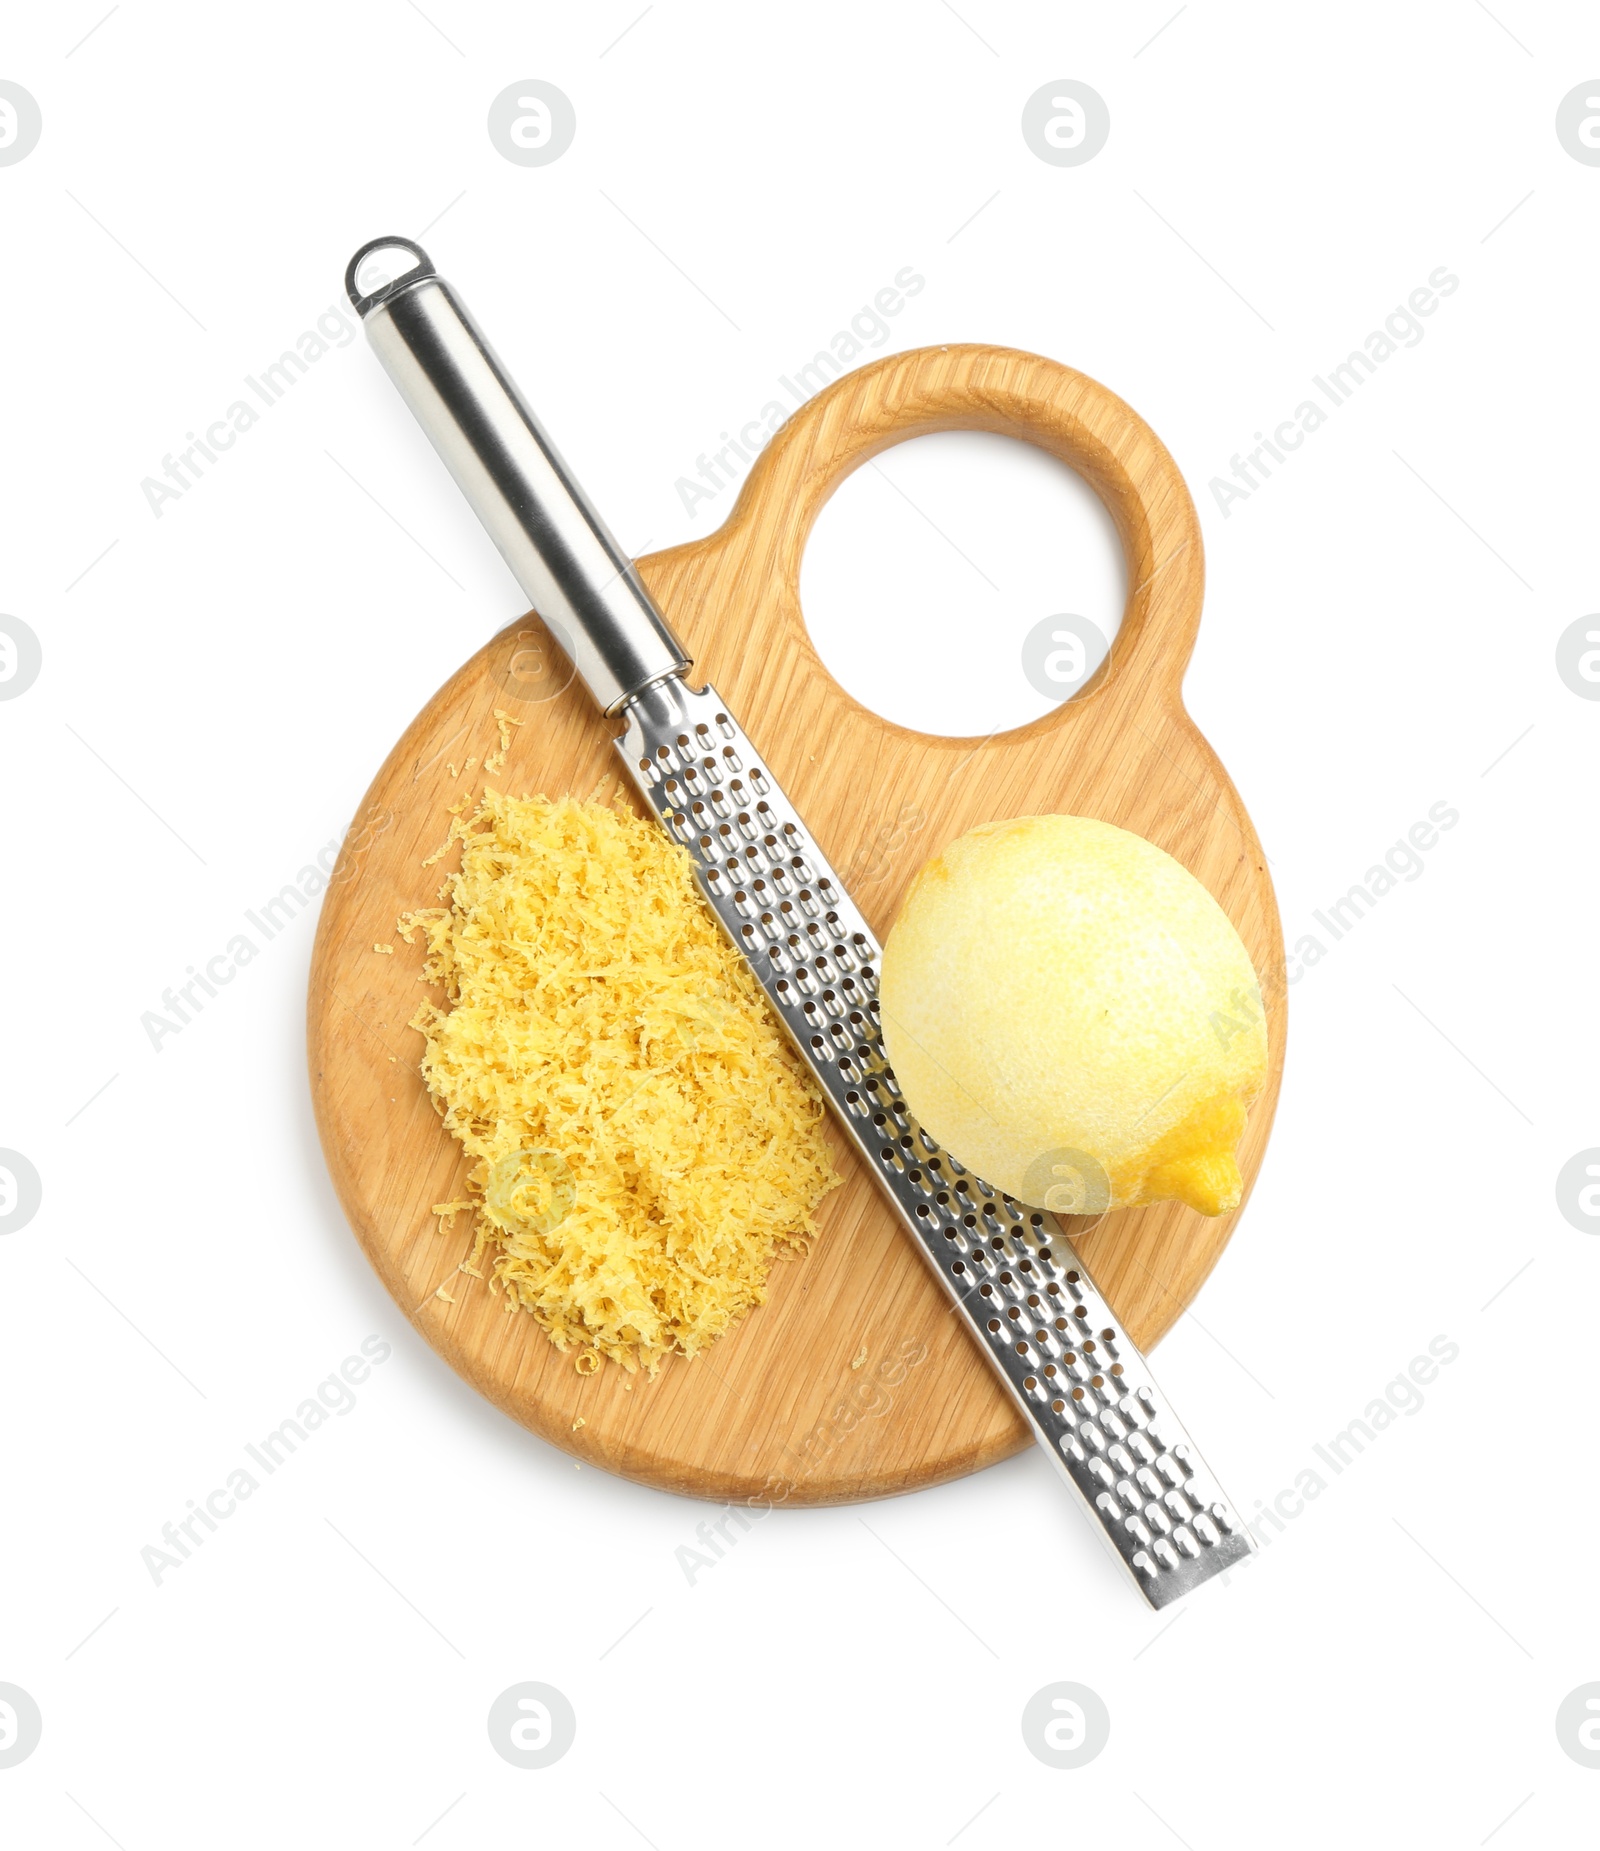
(219, 685)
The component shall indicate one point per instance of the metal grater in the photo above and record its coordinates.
(1082, 1386)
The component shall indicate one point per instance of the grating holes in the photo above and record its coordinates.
(994, 1323)
(1116, 1368)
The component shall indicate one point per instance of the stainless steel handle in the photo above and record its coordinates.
(560, 551)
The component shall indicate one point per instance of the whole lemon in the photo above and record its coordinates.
(1073, 1017)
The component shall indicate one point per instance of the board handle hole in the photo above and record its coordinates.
(964, 583)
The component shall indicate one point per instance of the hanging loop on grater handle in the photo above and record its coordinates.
(1011, 394)
(383, 285)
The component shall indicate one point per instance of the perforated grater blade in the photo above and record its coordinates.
(1084, 1389)
(1024, 1294)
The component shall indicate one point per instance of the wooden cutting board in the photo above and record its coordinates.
(854, 1380)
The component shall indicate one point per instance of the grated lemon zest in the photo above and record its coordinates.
(504, 721)
(643, 1140)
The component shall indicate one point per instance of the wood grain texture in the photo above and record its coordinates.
(854, 1380)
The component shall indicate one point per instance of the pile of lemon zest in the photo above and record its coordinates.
(643, 1140)
(591, 1358)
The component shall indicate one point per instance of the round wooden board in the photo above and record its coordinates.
(854, 1380)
